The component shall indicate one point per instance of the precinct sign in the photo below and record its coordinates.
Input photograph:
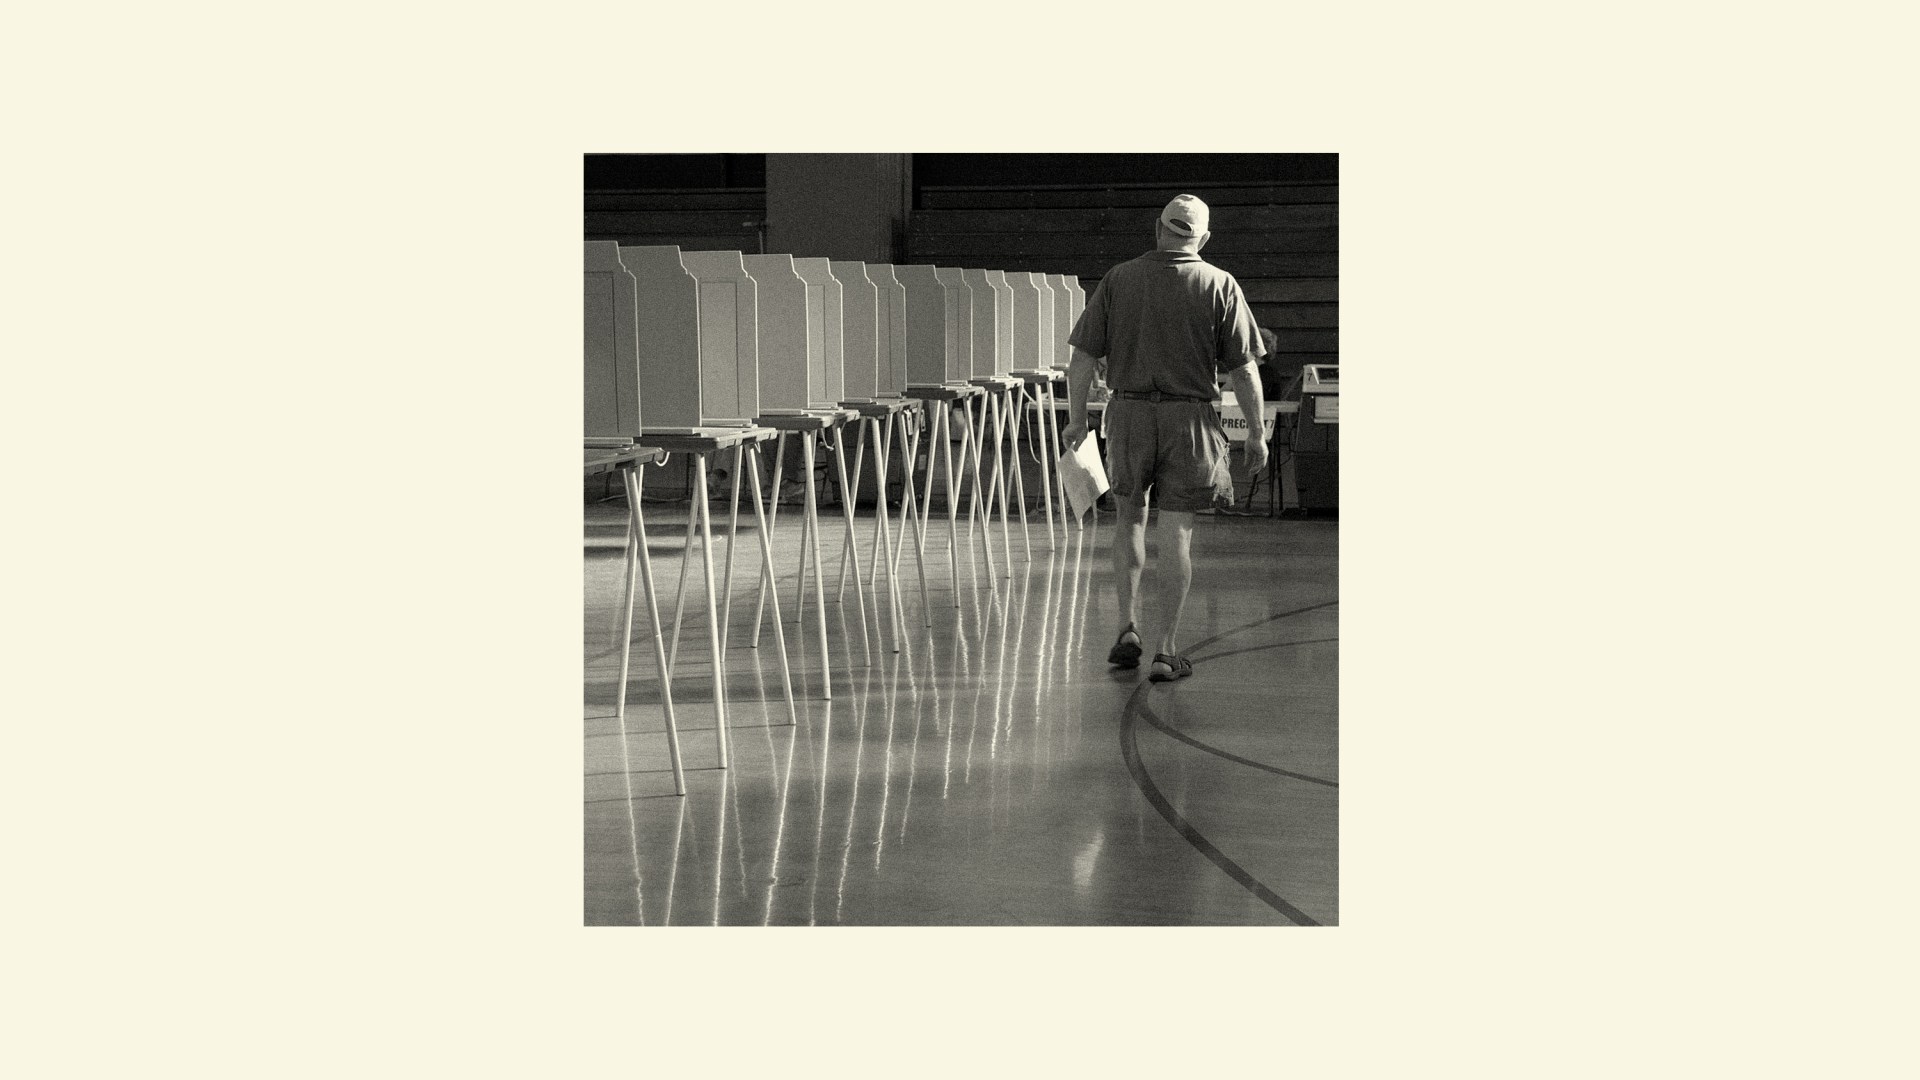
(1235, 421)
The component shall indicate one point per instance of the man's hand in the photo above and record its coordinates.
(1246, 393)
(1256, 454)
(1071, 435)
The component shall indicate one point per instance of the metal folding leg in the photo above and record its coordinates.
(852, 542)
(766, 536)
(943, 440)
(882, 537)
(973, 509)
(713, 613)
(1042, 452)
(913, 518)
(810, 535)
(1013, 399)
(637, 557)
(766, 569)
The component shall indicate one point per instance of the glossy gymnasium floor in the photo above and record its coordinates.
(995, 771)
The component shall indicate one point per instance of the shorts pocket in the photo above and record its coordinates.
(1223, 490)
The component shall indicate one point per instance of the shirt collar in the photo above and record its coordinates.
(1173, 258)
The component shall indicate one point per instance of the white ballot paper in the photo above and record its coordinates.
(1083, 475)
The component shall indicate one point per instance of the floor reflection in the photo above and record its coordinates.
(1036, 815)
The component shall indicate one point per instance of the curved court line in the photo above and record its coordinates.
(1154, 719)
(1259, 648)
(1130, 750)
(1261, 622)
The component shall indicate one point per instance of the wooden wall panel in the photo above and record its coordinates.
(1313, 341)
(698, 172)
(1135, 222)
(667, 305)
(785, 367)
(1297, 316)
(892, 312)
(1152, 197)
(926, 335)
(1063, 319)
(748, 203)
(686, 229)
(1244, 267)
(827, 346)
(612, 344)
(742, 242)
(1080, 170)
(860, 323)
(1291, 290)
(1026, 322)
(1115, 247)
(987, 359)
(959, 324)
(668, 222)
(1003, 317)
(729, 334)
(1046, 342)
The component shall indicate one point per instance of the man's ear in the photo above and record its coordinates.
(1204, 237)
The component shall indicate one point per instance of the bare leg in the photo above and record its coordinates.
(1174, 534)
(1130, 556)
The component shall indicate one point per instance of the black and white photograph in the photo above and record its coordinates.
(962, 539)
(991, 660)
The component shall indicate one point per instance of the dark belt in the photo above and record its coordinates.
(1155, 395)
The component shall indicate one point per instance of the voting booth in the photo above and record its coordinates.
(1310, 471)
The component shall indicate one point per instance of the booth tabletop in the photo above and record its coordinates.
(606, 460)
(943, 393)
(886, 407)
(706, 440)
(813, 421)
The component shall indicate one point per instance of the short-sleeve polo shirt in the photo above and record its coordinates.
(1168, 321)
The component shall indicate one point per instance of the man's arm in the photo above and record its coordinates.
(1080, 373)
(1246, 391)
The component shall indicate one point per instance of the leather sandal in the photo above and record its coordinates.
(1125, 653)
(1178, 667)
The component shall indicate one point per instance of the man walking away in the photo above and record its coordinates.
(1161, 327)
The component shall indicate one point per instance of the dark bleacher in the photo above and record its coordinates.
(696, 219)
(1281, 240)
(1276, 219)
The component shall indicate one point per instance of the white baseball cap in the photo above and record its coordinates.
(1186, 216)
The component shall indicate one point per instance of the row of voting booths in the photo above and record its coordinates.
(724, 338)
(711, 354)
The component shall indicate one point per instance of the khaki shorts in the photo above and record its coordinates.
(1176, 449)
